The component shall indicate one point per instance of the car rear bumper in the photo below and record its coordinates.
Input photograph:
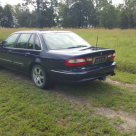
(77, 77)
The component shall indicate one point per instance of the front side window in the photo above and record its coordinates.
(10, 41)
(67, 40)
(37, 43)
(23, 41)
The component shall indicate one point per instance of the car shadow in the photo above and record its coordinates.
(98, 92)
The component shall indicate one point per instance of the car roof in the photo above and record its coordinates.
(42, 31)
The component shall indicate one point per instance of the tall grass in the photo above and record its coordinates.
(123, 41)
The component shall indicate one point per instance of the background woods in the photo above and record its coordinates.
(69, 14)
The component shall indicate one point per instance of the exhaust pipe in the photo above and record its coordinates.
(112, 74)
(104, 78)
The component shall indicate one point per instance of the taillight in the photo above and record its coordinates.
(76, 62)
(89, 60)
(84, 61)
(111, 56)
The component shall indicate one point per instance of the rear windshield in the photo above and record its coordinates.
(56, 41)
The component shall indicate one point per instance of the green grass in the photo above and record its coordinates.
(123, 41)
(103, 94)
(28, 111)
(124, 77)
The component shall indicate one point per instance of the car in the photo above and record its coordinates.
(60, 56)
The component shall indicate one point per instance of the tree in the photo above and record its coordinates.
(107, 14)
(45, 11)
(130, 8)
(7, 18)
(77, 14)
(22, 15)
(107, 18)
(1, 15)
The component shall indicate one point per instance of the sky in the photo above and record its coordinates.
(15, 2)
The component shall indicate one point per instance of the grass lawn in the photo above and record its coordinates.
(104, 94)
(28, 111)
(124, 77)
(123, 41)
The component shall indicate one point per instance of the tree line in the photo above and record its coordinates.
(69, 14)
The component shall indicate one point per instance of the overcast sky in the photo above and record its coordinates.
(15, 2)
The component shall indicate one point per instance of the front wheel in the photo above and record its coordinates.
(39, 77)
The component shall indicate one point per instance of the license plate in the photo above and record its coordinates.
(99, 60)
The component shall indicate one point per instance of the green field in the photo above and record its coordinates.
(28, 111)
(123, 41)
(72, 110)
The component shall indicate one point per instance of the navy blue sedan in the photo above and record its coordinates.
(56, 56)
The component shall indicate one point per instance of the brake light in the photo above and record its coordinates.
(89, 60)
(84, 61)
(111, 56)
(76, 62)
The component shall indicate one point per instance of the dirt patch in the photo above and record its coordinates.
(120, 83)
(129, 120)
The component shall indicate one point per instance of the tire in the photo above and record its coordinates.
(39, 77)
(1, 67)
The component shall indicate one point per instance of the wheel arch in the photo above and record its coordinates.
(36, 61)
(32, 65)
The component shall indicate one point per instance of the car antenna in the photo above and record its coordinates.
(96, 41)
(97, 38)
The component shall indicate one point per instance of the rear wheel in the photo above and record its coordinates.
(39, 77)
(1, 67)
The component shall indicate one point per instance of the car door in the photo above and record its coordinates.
(22, 51)
(7, 49)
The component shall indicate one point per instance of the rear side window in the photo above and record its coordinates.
(10, 41)
(31, 42)
(23, 41)
(37, 43)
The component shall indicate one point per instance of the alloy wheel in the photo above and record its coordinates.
(38, 76)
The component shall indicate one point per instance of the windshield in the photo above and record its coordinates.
(56, 41)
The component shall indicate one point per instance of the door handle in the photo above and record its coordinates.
(9, 51)
(28, 53)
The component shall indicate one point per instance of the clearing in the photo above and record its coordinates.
(124, 121)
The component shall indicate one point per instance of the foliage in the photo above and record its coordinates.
(108, 17)
(6, 18)
(79, 14)
(45, 12)
(70, 14)
(22, 13)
